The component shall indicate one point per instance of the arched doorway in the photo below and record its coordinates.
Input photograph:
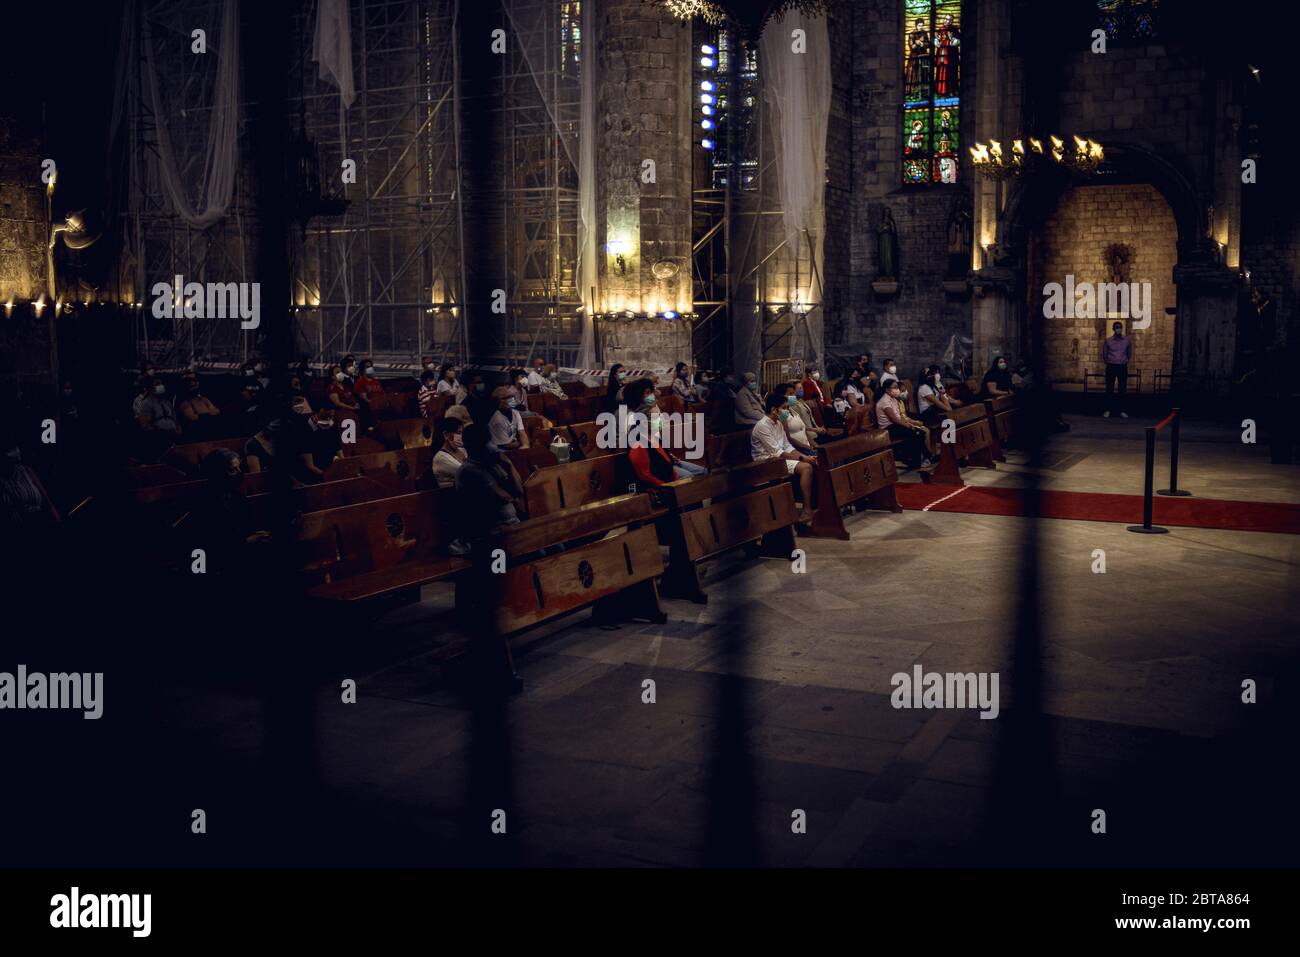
(1098, 236)
(1135, 190)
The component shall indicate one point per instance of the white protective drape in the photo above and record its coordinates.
(221, 144)
(331, 47)
(588, 265)
(796, 77)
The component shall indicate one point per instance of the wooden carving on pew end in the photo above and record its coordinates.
(973, 444)
(858, 470)
(614, 575)
(749, 506)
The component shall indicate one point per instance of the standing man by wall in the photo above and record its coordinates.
(1116, 353)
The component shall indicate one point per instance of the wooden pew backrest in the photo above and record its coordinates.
(575, 483)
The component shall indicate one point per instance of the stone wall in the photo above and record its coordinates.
(1087, 220)
(914, 325)
(645, 343)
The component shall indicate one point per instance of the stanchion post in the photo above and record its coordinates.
(1149, 483)
(1173, 458)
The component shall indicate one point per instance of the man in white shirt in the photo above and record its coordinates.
(506, 427)
(536, 377)
(768, 440)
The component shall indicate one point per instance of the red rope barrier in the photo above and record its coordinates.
(1170, 418)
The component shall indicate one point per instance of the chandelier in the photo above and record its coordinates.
(992, 162)
(706, 10)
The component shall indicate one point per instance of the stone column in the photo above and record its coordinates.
(644, 113)
(1205, 335)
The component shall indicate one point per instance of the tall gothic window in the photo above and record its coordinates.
(932, 45)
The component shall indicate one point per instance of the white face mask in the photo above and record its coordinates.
(159, 389)
(892, 370)
(816, 376)
(338, 377)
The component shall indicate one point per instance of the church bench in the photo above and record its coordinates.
(856, 470)
(538, 429)
(910, 401)
(558, 410)
(582, 436)
(188, 457)
(751, 505)
(363, 444)
(973, 444)
(728, 449)
(586, 409)
(1001, 412)
(529, 460)
(615, 574)
(405, 433)
(145, 476)
(327, 495)
(377, 548)
(395, 405)
(537, 402)
(407, 465)
(574, 483)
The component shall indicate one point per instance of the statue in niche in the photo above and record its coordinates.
(959, 242)
(887, 247)
(1119, 261)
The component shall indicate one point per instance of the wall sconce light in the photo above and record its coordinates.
(618, 249)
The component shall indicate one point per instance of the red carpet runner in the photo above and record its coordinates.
(1099, 507)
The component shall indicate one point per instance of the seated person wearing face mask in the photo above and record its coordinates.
(537, 373)
(261, 450)
(650, 463)
(314, 442)
(451, 452)
(489, 492)
(156, 413)
(768, 440)
(909, 432)
(429, 385)
(997, 381)
(447, 382)
(367, 386)
(519, 386)
(506, 426)
(749, 404)
(551, 382)
(795, 428)
(338, 393)
(197, 411)
(932, 399)
(804, 411)
(891, 375)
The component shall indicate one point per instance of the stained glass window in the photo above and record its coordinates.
(1130, 19)
(932, 43)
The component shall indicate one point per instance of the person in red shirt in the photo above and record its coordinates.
(813, 390)
(367, 386)
(338, 393)
(654, 465)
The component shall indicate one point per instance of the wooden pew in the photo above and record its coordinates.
(575, 483)
(145, 476)
(407, 465)
(327, 495)
(1001, 412)
(377, 548)
(713, 513)
(538, 429)
(405, 433)
(856, 470)
(728, 449)
(188, 457)
(615, 574)
(974, 444)
(395, 405)
(582, 437)
(529, 460)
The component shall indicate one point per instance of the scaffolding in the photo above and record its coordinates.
(377, 264)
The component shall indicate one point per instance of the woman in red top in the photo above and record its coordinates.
(654, 465)
(338, 393)
(367, 386)
(813, 391)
